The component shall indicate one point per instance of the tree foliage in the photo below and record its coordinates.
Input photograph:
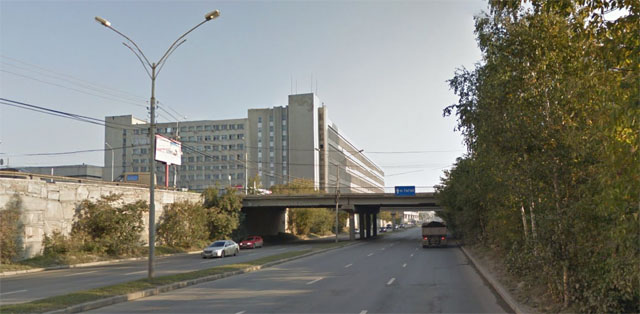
(184, 225)
(11, 230)
(110, 226)
(304, 221)
(551, 118)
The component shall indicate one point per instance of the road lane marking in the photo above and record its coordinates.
(284, 248)
(363, 312)
(370, 254)
(136, 272)
(391, 281)
(241, 312)
(314, 281)
(349, 265)
(12, 292)
(76, 274)
(411, 254)
(405, 265)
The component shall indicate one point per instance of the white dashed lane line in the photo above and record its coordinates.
(348, 265)
(78, 274)
(136, 272)
(13, 292)
(404, 265)
(241, 312)
(314, 281)
(391, 281)
(363, 312)
(370, 254)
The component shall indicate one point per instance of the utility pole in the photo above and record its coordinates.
(337, 198)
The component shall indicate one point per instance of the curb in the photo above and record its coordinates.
(113, 261)
(504, 294)
(178, 285)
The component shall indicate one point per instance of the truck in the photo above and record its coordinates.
(434, 233)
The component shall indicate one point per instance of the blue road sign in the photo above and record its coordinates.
(405, 190)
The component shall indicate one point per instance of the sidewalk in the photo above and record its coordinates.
(497, 286)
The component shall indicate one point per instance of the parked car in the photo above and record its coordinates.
(221, 248)
(252, 242)
(383, 229)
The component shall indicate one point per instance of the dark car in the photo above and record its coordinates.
(251, 242)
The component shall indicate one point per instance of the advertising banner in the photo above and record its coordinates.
(168, 150)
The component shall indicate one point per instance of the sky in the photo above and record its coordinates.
(380, 67)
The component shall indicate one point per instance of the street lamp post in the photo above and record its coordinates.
(111, 148)
(155, 67)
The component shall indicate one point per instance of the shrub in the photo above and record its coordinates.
(10, 230)
(184, 225)
(115, 229)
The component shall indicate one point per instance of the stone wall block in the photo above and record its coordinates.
(35, 188)
(53, 211)
(82, 192)
(33, 203)
(67, 193)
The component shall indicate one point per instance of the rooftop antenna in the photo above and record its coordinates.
(291, 91)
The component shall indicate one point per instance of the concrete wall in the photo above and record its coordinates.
(48, 207)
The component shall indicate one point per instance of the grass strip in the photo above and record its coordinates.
(63, 301)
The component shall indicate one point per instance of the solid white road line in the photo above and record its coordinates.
(370, 254)
(77, 274)
(136, 272)
(363, 312)
(314, 281)
(348, 265)
(12, 292)
(391, 281)
(405, 265)
(241, 312)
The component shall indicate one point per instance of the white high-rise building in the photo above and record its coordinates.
(277, 144)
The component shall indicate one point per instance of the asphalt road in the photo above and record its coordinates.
(32, 286)
(392, 274)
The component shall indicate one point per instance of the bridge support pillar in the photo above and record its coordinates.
(367, 223)
(352, 226)
(361, 225)
(374, 217)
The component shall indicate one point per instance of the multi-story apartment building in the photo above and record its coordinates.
(277, 144)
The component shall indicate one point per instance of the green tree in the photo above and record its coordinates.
(11, 230)
(550, 121)
(110, 225)
(184, 225)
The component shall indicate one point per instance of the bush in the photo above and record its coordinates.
(115, 229)
(11, 230)
(184, 225)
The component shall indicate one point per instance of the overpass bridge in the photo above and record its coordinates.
(263, 212)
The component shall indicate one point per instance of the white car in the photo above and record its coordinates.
(221, 248)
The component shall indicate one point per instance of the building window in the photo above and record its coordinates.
(207, 138)
(191, 128)
(183, 129)
(223, 127)
(240, 126)
(207, 128)
(199, 128)
(240, 136)
(259, 119)
(232, 126)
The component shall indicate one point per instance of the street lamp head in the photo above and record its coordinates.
(102, 21)
(212, 15)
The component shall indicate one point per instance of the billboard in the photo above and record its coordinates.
(168, 150)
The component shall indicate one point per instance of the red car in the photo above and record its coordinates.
(251, 242)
